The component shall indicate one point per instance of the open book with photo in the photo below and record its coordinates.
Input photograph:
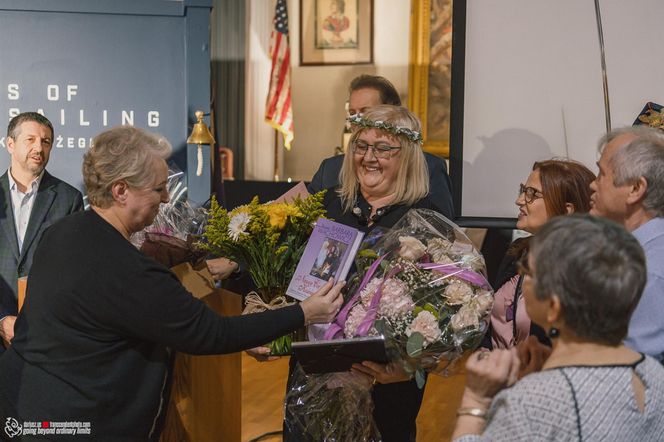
(328, 254)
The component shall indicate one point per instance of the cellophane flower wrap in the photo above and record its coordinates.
(267, 240)
(172, 237)
(422, 285)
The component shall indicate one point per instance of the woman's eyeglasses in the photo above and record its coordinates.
(380, 150)
(530, 194)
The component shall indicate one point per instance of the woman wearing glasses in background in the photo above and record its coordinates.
(384, 176)
(554, 187)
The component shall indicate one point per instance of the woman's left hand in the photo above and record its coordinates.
(490, 372)
(382, 373)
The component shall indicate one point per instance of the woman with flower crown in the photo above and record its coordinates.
(383, 176)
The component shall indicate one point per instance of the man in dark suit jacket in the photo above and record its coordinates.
(366, 91)
(31, 199)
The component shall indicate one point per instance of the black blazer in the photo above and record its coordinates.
(55, 199)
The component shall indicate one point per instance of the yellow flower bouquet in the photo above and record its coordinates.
(267, 239)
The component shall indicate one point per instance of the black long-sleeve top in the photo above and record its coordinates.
(93, 342)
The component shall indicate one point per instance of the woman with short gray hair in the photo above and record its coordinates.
(584, 277)
(96, 338)
(127, 154)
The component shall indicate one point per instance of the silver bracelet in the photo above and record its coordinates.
(477, 412)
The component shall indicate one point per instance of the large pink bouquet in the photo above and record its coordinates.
(422, 286)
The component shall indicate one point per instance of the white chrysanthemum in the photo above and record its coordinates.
(238, 224)
(427, 325)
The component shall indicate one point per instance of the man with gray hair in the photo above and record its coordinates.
(629, 189)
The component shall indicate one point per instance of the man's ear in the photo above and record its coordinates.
(10, 145)
(569, 208)
(637, 191)
(119, 190)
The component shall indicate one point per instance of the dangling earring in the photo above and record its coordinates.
(554, 333)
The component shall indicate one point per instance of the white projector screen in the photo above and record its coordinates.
(527, 85)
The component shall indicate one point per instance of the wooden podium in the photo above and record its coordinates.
(206, 394)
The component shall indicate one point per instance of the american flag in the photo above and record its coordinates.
(278, 110)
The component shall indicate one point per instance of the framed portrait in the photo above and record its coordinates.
(336, 32)
(430, 71)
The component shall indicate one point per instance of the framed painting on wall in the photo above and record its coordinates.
(336, 32)
(430, 71)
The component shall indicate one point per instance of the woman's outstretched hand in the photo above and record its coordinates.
(322, 306)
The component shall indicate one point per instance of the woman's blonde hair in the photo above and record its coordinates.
(412, 182)
(123, 153)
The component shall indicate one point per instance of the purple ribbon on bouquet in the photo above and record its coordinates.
(336, 328)
(370, 317)
(453, 270)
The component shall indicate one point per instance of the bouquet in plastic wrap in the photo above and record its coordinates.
(171, 238)
(422, 286)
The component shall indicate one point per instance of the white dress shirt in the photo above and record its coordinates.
(22, 204)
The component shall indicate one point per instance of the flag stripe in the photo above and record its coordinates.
(278, 110)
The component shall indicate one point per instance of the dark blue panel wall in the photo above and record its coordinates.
(94, 64)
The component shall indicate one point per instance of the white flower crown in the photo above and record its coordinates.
(412, 135)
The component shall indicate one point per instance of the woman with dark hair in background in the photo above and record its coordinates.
(554, 187)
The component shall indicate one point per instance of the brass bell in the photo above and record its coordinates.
(200, 134)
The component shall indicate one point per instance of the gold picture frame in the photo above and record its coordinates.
(336, 32)
(430, 71)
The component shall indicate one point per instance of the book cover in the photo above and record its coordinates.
(297, 191)
(328, 254)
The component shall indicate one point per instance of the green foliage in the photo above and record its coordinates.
(415, 344)
(420, 378)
